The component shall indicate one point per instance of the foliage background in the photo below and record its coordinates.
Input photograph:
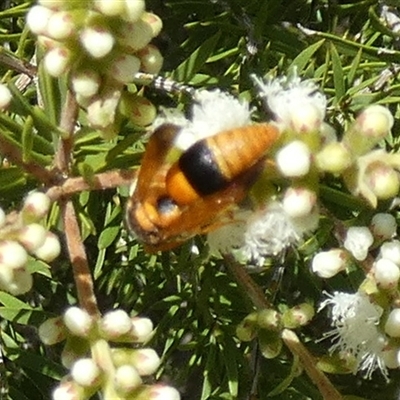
(193, 301)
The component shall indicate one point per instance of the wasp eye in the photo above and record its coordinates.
(165, 205)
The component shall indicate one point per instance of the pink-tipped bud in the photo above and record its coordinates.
(22, 282)
(12, 254)
(138, 109)
(50, 249)
(135, 35)
(392, 325)
(151, 59)
(383, 226)
(86, 83)
(299, 201)
(124, 68)
(307, 118)
(115, 324)
(146, 361)
(329, 263)
(162, 392)
(375, 121)
(382, 179)
(134, 10)
(126, 379)
(101, 111)
(390, 356)
(111, 8)
(52, 331)
(269, 320)
(142, 329)
(386, 273)
(68, 390)
(97, 41)
(85, 372)
(37, 19)
(36, 206)
(5, 97)
(297, 316)
(61, 25)
(294, 159)
(78, 321)
(333, 158)
(154, 21)
(56, 61)
(32, 236)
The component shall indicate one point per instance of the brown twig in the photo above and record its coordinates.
(14, 154)
(308, 362)
(105, 180)
(77, 255)
(67, 125)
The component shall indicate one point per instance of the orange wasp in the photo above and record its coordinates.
(175, 200)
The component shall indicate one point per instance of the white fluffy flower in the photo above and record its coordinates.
(296, 104)
(355, 322)
(257, 235)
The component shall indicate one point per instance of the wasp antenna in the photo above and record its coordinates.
(164, 84)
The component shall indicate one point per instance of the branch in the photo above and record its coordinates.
(77, 255)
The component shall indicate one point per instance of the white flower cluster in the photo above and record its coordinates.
(101, 44)
(22, 233)
(116, 372)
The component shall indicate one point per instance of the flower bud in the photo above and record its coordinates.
(390, 357)
(391, 251)
(307, 118)
(56, 61)
(383, 226)
(159, 392)
(50, 249)
(52, 331)
(146, 361)
(269, 319)
(37, 19)
(141, 330)
(248, 328)
(134, 10)
(151, 59)
(86, 83)
(333, 158)
(5, 97)
(68, 390)
(294, 159)
(154, 21)
(111, 8)
(97, 41)
(115, 323)
(358, 241)
(327, 264)
(124, 68)
(36, 206)
(386, 273)
(371, 126)
(101, 111)
(126, 379)
(32, 236)
(60, 25)
(2, 218)
(138, 109)
(382, 179)
(297, 316)
(85, 372)
(22, 282)
(12, 254)
(298, 201)
(78, 321)
(270, 344)
(136, 35)
(392, 325)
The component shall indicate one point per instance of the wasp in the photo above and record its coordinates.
(174, 200)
